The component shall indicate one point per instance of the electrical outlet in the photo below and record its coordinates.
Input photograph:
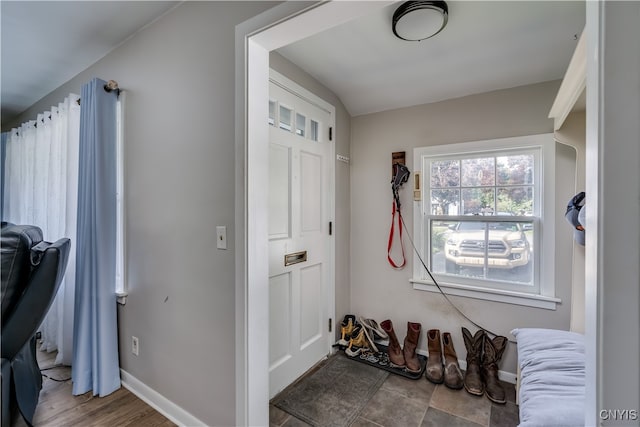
(135, 347)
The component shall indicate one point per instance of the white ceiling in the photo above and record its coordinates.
(485, 46)
(46, 43)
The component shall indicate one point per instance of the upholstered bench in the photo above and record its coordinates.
(551, 377)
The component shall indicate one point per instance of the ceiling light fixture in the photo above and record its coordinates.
(419, 20)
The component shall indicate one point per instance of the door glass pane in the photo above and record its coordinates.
(314, 130)
(300, 124)
(272, 113)
(285, 118)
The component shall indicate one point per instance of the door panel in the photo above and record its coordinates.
(280, 319)
(299, 179)
(310, 189)
(310, 310)
(279, 191)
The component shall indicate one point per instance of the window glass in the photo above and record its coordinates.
(480, 217)
(272, 113)
(514, 170)
(285, 118)
(478, 172)
(478, 201)
(300, 124)
(500, 251)
(314, 131)
(445, 202)
(515, 201)
(445, 173)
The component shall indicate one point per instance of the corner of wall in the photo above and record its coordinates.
(573, 134)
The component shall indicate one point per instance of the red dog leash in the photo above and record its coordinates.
(395, 212)
(400, 176)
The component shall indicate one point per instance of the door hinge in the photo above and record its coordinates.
(330, 228)
(330, 324)
(330, 134)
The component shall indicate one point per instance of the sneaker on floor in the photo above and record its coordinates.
(376, 330)
(358, 342)
(346, 329)
(369, 338)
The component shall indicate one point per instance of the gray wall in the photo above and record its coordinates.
(179, 185)
(343, 194)
(380, 292)
(179, 75)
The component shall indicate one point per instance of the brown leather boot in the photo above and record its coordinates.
(396, 357)
(434, 371)
(410, 345)
(472, 377)
(493, 349)
(452, 372)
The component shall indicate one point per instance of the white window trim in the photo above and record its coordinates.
(546, 298)
(121, 277)
(488, 294)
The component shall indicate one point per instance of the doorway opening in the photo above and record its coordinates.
(277, 27)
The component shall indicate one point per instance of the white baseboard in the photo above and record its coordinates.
(509, 377)
(173, 412)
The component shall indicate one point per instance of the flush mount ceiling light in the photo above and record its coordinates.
(419, 20)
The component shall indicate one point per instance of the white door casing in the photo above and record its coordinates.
(301, 272)
(255, 38)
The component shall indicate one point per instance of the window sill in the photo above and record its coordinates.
(497, 295)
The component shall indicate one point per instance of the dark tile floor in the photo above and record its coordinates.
(403, 402)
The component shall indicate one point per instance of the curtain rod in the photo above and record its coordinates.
(110, 86)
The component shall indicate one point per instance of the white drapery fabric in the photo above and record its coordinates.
(41, 188)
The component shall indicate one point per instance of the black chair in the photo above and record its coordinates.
(31, 273)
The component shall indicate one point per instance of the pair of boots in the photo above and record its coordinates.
(406, 356)
(442, 364)
(483, 356)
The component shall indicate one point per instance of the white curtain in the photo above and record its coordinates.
(41, 188)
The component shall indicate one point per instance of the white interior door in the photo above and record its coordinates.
(300, 252)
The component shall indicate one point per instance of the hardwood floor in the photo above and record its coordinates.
(58, 407)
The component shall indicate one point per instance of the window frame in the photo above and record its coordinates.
(543, 216)
(121, 286)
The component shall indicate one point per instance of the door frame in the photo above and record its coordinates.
(254, 39)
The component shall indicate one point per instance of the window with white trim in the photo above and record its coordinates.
(485, 220)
